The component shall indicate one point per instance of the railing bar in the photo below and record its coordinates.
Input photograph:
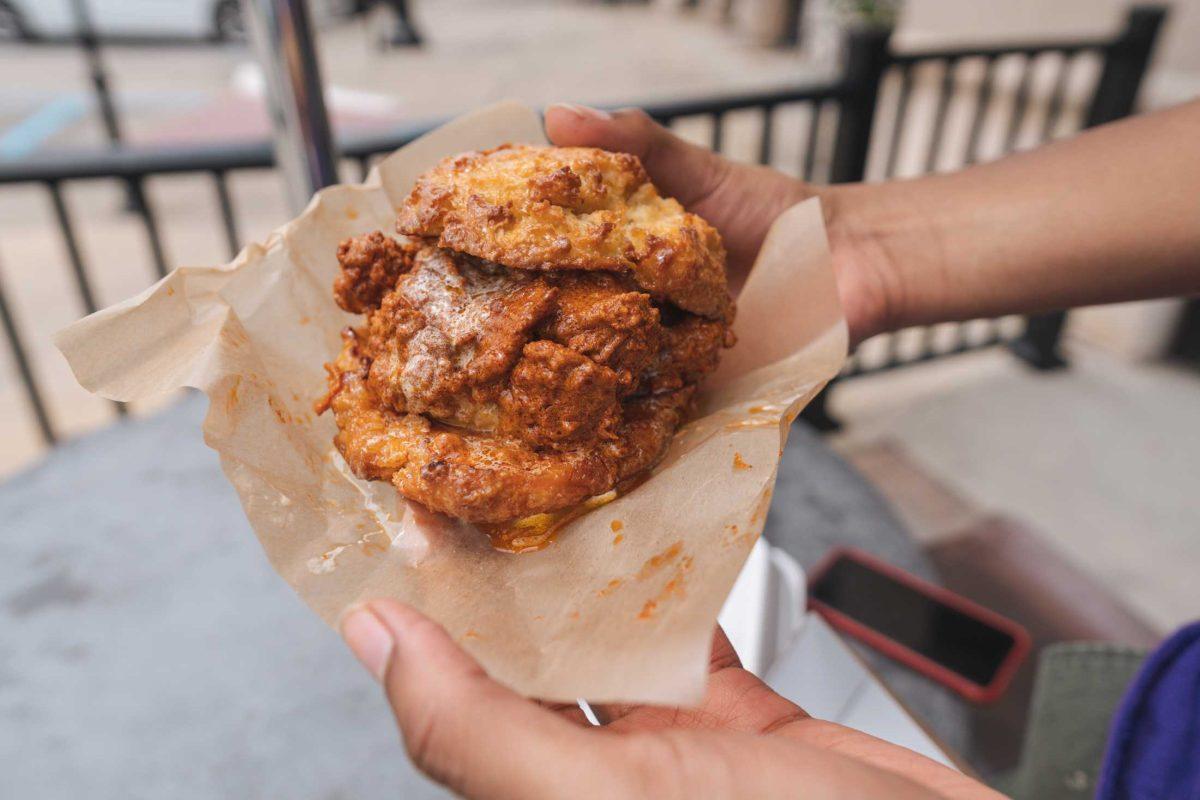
(142, 209)
(32, 394)
(1057, 96)
(717, 134)
(927, 341)
(810, 145)
(1069, 48)
(893, 351)
(852, 366)
(939, 120)
(854, 370)
(981, 108)
(765, 140)
(86, 297)
(1020, 105)
(962, 341)
(82, 284)
(993, 337)
(898, 125)
(221, 182)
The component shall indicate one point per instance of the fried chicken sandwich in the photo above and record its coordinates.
(532, 337)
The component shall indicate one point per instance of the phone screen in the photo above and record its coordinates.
(947, 636)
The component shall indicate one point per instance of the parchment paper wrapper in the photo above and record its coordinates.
(601, 613)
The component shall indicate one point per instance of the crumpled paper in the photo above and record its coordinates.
(621, 606)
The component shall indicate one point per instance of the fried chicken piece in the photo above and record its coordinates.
(571, 208)
(538, 345)
(557, 397)
(691, 351)
(448, 332)
(482, 477)
(598, 316)
(370, 264)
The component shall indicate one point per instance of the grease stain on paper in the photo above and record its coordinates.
(656, 562)
(368, 544)
(752, 424)
(672, 588)
(768, 408)
(611, 587)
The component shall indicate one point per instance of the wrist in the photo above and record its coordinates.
(861, 224)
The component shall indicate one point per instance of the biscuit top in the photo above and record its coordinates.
(570, 208)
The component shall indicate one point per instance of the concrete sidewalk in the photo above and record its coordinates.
(1101, 459)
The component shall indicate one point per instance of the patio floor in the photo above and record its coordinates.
(1100, 459)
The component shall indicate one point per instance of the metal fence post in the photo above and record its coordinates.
(1038, 345)
(1116, 94)
(85, 33)
(282, 35)
(866, 59)
(1185, 345)
(24, 365)
(793, 15)
(1125, 65)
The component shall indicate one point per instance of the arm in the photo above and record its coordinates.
(1112, 214)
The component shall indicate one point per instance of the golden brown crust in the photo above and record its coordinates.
(601, 316)
(538, 346)
(370, 264)
(570, 208)
(557, 397)
(483, 477)
(691, 350)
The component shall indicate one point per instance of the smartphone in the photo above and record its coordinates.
(942, 635)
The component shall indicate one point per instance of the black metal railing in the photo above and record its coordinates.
(830, 123)
(1121, 62)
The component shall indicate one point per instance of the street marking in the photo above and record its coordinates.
(29, 134)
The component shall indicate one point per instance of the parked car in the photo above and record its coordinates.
(139, 19)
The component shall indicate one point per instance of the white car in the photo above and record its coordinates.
(166, 19)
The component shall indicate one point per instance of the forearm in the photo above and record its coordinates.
(1110, 215)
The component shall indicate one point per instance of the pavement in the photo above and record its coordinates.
(1100, 459)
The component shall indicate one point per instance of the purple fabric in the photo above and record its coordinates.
(1154, 744)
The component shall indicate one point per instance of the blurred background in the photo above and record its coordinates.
(1045, 466)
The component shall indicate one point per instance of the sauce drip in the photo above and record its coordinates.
(747, 424)
(536, 531)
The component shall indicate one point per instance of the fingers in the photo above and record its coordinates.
(460, 727)
(722, 656)
(740, 200)
(568, 711)
(735, 700)
(685, 171)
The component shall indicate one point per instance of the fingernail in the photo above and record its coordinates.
(368, 638)
(584, 112)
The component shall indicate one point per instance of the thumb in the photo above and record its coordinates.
(460, 727)
(683, 170)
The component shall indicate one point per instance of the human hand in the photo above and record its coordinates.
(741, 200)
(482, 740)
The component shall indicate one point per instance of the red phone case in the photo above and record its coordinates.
(972, 691)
